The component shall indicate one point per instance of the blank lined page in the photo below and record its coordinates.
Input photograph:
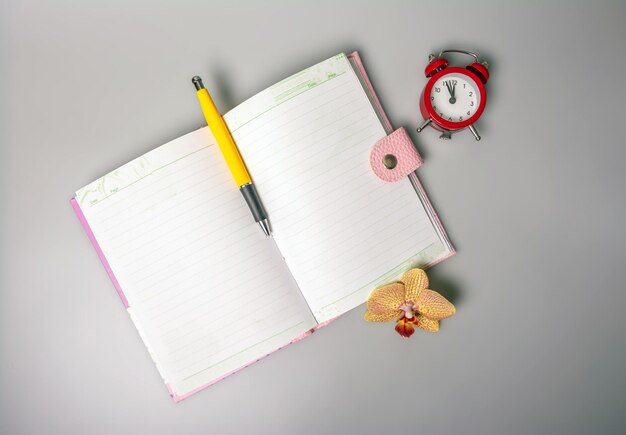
(207, 290)
(342, 231)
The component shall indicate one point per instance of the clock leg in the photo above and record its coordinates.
(424, 125)
(445, 135)
(474, 131)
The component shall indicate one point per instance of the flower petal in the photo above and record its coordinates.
(384, 302)
(404, 328)
(433, 305)
(415, 280)
(427, 324)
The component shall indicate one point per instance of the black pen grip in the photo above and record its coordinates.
(254, 202)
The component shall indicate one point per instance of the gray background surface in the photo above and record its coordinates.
(536, 210)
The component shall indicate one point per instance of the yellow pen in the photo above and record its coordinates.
(231, 154)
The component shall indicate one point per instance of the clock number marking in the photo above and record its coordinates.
(468, 113)
(437, 89)
(471, 93)
(471, 103)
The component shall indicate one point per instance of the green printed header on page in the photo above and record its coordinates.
(287, 89)
(310, 78)
(157, 164)
(114, 181)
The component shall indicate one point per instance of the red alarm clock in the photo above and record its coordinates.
(454, 97)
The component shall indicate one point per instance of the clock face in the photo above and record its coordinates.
(455, 97)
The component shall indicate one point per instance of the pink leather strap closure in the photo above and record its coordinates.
(394, 157)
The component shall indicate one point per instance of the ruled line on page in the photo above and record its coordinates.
(303, 155)
(199, 296)
(203, 298)
(325, 184)
(237, 335)
(232, 238)
(195, 230)
(166, 271)
(178, 347)
(199, 163)
(243, 350)
(282, 127)
(232, 300)
(268, 109)
(242, 335)
(397, 270)
(171, 282)
(403, 252)
(180, 183)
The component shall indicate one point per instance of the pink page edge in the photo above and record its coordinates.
(96, 245)
(445, 234)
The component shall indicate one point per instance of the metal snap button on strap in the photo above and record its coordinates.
(390, 161)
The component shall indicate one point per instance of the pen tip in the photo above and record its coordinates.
(197, 82)
(265, 226)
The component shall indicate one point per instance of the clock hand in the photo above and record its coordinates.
(451, 88)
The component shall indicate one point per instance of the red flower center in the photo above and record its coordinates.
(404, 327)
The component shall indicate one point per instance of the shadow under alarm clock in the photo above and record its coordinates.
(454, 97)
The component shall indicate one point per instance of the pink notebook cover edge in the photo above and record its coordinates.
(176, 397)
(96, 245)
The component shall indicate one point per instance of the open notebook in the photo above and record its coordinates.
(207, 291)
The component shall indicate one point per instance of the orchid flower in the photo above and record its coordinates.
(410, 303)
